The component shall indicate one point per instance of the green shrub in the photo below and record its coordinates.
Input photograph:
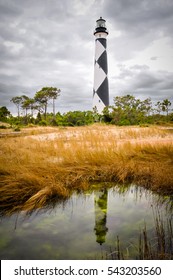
(124, 122)
(43, 123)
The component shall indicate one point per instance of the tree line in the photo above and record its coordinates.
(38, 103)
(126, 110)
(129, 110)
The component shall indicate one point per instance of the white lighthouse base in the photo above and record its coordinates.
(98, 104)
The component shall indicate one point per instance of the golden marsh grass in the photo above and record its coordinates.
(48, 164)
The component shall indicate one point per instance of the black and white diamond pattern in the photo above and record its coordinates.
(101, 90)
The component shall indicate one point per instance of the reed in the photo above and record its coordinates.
(155, 246)
(43, 167)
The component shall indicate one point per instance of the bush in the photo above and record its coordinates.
(124, 122)
(53, 122)
(43, 123)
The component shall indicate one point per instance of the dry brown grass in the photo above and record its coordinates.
(39, 168)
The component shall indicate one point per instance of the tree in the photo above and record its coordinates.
(27, 104)
(159, 107)
(20, 102)
(24, 103)
(53, 93)
(4, 113)
(146, 106)
(44, 95)
(128, 110)
(17, 100)
(42, 98)
(165, 106)
(107, 114)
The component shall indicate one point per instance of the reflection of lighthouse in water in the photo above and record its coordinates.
(100, 204)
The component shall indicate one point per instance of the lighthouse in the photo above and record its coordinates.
(101, 87)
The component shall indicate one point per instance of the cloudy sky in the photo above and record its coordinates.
(51, 43)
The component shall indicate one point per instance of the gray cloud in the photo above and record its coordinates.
(139, 24)
(140, 81)
(154, 58)
(51, 43)
(140, 17)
